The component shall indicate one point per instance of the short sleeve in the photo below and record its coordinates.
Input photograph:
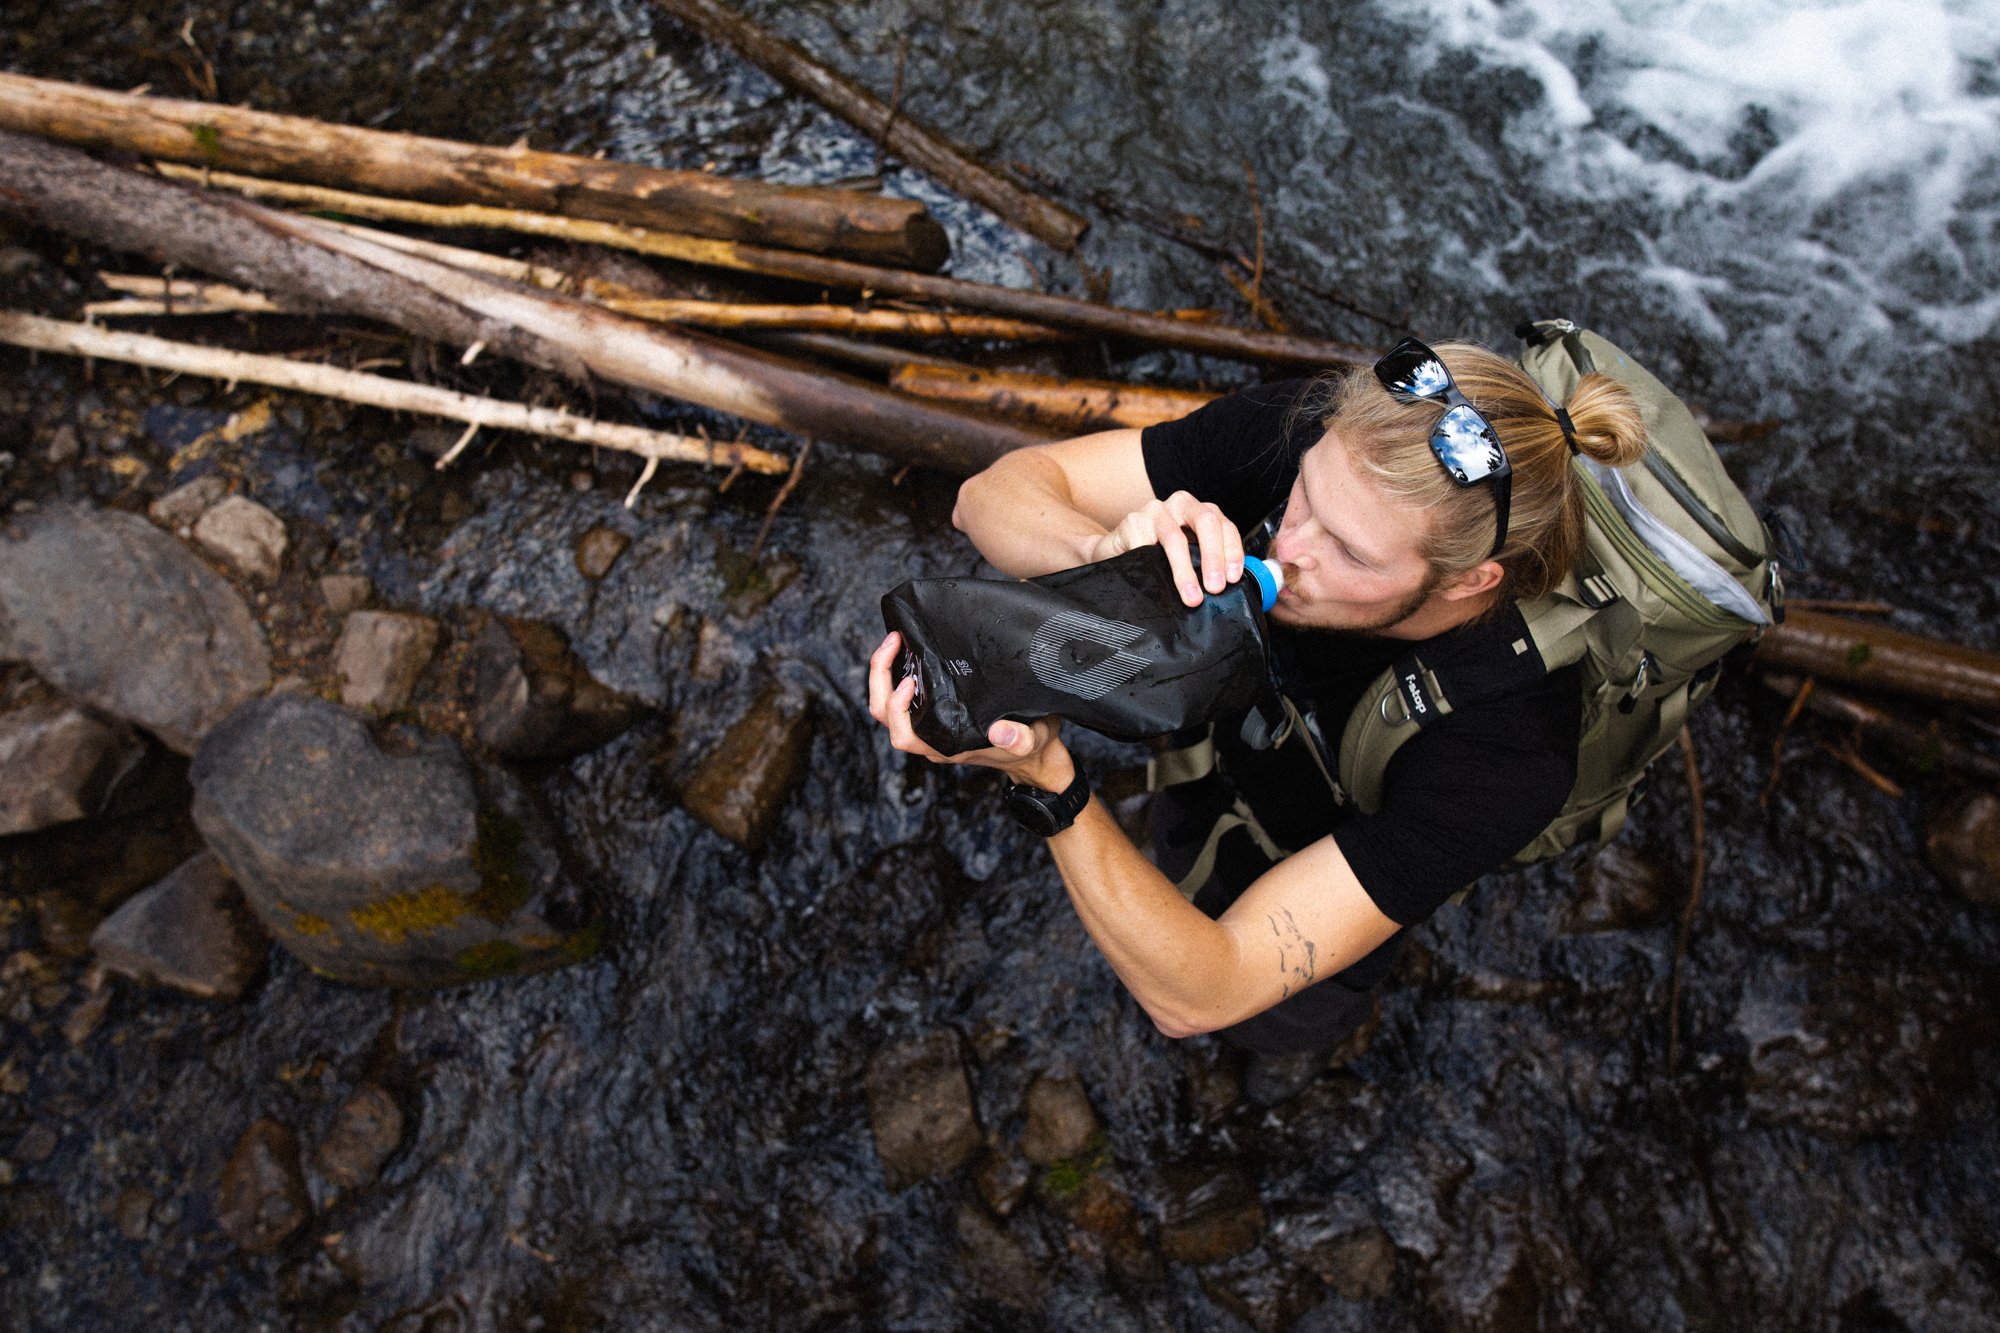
(1239, 452)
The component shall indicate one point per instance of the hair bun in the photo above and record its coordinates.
(1606, 421)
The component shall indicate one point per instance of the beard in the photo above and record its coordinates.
(1375, 623)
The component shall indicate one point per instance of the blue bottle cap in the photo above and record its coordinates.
(1270, 578)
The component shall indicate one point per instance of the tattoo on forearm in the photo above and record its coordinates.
(1297, 958)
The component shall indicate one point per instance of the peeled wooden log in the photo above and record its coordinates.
(1174, 329)
(1922, 746)
(313, 264)
(866, 226)
(1070, 405)
(1878, 658)
(921, 147)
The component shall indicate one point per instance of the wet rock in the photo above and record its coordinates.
(383, 869)
(57, 763)
(190, 932)
(1342, 1246)
(178, 509)
(117, 614)
(132, 1212)
(920, 1107)
(263, 1196)
(1208, 1214)
(739, 787)
(244, 535)
(753, 587)
(63, 447)
(1268, 1296)
(1101, 1209)
(380, 656)
(536, 699)
(1963, 847)
(137, 838)
(1617, 889)
(716, 653)
(598, 550)
(38, 1143)
(1003, 1180)
(1000, 1266)
(345, 592)
(88, 1014)
(1060, 1121)
(366, 1131)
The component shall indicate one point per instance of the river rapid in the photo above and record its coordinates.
(1790, 210)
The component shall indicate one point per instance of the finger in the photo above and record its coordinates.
(1173, 540)
(879, 663)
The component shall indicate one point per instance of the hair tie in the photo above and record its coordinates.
(1569, 430)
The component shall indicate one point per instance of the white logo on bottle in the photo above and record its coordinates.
(1053, 665)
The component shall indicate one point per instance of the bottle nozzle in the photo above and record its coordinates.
(1270, 577)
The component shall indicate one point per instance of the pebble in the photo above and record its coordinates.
(244, 535)
(262, 1199)
(598, 550)
(178, 509)
(38, 1143)
(920, 1108)
(380, 656)
(366, 1131)
(63, 447)
(190, 933)
(1963, 847)
(346, 592)
(740, 787)
(1060, 1122)
(57, 764)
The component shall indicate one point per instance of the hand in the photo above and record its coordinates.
(1029, 752)
(1164, 523)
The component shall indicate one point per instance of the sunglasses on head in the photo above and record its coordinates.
(1464, 441)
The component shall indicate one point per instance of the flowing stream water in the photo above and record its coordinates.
(1790, 209)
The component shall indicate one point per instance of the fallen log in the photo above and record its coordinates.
(1920, 745)
(1074, 406)
(1165, 330)
(49, 335)
(162, 296)
(928, 151)
(866, 226)
(316, 265)
(1878, 658)
(846, 351)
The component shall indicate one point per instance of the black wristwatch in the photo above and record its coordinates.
(1045, 812)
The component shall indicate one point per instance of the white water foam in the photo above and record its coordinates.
(1847, 150)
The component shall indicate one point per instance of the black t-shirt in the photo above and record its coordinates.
(1459, 799)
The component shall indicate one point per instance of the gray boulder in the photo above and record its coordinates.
(535, 697)
(57, 763)
(189, 932)
(377, 868)
(115, 613)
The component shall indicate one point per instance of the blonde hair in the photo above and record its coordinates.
(1390, 441)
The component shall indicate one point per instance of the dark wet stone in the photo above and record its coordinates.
(1270, 1296)
(191, 932)
(119, 615)
(1000, 1266)
(535, 699)
(1208, 1213)
(381, 869)
(132, 1211)
(139, 836)
(1060, 1121)
(739, 788)
(1354, 1257)
(345, 592)
(263, 1200)
(1963, 846)
(1101, 1209)
(178, 509)
(598, 550)
(1619, 888)
(84, 1020)
(1002, 1180)
(38, 1143)
(366, 1131)
(57, 763)
(65, 922)
(753, 587)
(380, 656)
(920, 1107)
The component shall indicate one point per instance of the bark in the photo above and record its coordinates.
(314, 264)
(866, 226)
(1920, 745)
(1878, 658)
(1075, 406)
(49, 335)
(925, 149)
(1164, 330)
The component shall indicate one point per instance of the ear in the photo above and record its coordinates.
(1481, 579)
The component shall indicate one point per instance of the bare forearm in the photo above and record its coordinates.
(1022, 516)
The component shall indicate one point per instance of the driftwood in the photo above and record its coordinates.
(175, 296)
(847, 351)
(307, 262)
(1165, 330)
(1070, 405)
(1878, 658)
(866, 226)
(1922, 746)
(48, 335)
(923, 148)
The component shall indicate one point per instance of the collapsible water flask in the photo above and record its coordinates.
(1109, 646)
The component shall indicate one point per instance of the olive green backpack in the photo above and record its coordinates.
(1678, 571)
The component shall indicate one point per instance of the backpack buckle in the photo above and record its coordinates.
(1596, 591)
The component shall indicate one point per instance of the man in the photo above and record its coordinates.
(1419, 503)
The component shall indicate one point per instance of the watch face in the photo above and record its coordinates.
(1030, 808)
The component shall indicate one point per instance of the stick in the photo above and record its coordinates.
(866, 226)
(1799, 701)
(48, 335)
(1697, 874)
(1924, 747)
(1063, 311)
(1072, 405)
(778, 501)
(918, 145)
(1848, 755)
(1880, 658)
(1837, 607)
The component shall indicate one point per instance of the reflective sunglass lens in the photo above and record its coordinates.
(1467, 446)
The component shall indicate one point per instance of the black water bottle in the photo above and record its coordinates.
(1109, 646)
